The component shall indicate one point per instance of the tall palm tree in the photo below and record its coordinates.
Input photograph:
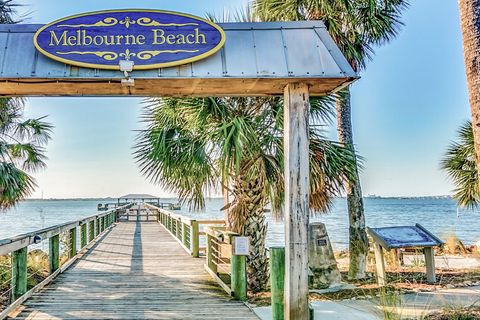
(194, 145)
(470, 24)
(460, 163)
(21, 151)
(21, 140)
(356, 26)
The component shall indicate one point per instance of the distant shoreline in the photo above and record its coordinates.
(365, 197)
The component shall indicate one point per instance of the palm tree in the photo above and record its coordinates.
(460, 163)
(193, 145)
(470, 23)
(7, 11)
(356, 26)
(21, 151)
(21, 140)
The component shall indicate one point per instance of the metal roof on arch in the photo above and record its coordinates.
(258, 59)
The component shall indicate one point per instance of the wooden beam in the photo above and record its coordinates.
(296, 150)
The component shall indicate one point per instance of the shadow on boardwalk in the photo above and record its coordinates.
(137, 271)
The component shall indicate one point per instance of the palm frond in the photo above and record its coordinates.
(460, 164)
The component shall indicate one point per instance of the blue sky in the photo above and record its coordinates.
(406, 109)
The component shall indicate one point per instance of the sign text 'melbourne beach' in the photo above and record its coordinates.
(149, 38)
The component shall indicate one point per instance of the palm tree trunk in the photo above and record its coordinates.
(470, 23)
(248, 219)
(358, 241)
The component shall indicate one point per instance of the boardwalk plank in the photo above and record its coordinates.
(138, 271)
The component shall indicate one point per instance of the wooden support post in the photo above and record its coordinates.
(19, 273)
(91, 230)
(380, 263)
(277, 281)
(430, 264)
(296, 151)
(72, 248)
(238, 268)
(194, 239)
(83, 235)
(54, 253)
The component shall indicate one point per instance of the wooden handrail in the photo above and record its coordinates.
(15, 243)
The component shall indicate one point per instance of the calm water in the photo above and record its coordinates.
(438, 215)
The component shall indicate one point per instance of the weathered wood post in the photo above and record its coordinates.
(72, 236)
(19, 273)
(238, 268)
(430, 264)
(194, 239)
(296, 150)
(380, 264)
(277, 281)
(54, 253)
(83, 235)
(91, 230)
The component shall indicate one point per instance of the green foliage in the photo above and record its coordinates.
(7, 11)
(194, 145)
(21, 151)
(460, 164)
(356, 26)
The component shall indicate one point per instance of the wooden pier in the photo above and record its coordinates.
(135, 270)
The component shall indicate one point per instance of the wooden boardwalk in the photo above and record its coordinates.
(137, 271)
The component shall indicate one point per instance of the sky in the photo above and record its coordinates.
(406, 109)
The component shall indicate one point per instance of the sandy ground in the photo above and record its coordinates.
(408, 305)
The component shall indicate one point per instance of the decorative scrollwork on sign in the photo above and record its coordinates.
(107, 22)
(146, 55)
(107, 55)
(147, 22)
(127, 54)
(127, 22)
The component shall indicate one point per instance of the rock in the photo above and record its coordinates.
(321, 260)
(467, 283)
(450, 286)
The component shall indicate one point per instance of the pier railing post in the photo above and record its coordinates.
(97, 226)
(194, 239)
(83, 235)
(277, 281)
(91, 230)
(54, 253)
(184, 234)
(238, 268)
(72, 248)
(19, 273)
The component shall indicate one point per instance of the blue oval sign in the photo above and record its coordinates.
(150, 38)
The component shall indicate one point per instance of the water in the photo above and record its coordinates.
(437, 215)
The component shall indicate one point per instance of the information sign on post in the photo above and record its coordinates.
(241, 246)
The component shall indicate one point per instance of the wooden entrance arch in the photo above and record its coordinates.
(294, 59)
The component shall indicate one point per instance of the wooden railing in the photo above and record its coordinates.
(187, 231)
(227, 268)
(90, 230)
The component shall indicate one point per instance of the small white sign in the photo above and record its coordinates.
(241, 246)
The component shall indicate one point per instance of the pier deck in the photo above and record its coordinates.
(136, 271)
